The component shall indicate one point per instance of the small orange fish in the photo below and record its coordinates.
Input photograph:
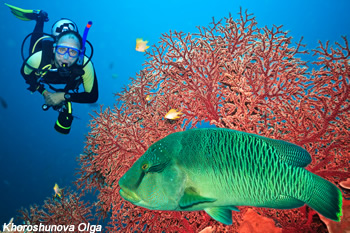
(148, 97)
(141, 45)
(173, 114)
(57, 190)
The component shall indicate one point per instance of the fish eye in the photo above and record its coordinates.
(144, 166)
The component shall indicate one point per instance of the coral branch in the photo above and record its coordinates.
(67, 210)
(233, 75)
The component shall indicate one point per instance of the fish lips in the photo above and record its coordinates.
(129, 195)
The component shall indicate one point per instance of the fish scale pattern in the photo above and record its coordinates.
(249, 171)
(297, 157)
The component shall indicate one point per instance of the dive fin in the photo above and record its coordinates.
(191, 197)
(220, 214)
(24, 14)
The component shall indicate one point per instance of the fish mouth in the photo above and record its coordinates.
(129, 195)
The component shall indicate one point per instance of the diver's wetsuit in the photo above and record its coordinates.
(38, 32)
(40, 69)
(44, 52)
(88, 79)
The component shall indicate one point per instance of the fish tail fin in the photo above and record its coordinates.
(326, 199)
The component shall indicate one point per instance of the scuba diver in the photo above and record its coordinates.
(58, 58)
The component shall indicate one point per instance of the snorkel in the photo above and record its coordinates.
(82, 52)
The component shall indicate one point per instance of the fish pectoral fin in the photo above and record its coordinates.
(221, 214)
(284, 202)
(191, 197)
(232, 207)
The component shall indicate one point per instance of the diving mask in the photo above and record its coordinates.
(72, 52)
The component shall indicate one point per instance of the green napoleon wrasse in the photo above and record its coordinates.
(216, 170)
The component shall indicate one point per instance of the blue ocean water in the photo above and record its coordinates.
(33, 156)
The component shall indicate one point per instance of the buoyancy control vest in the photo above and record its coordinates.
(72, 76)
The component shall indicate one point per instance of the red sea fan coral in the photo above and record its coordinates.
(232, 74)
(69, 211)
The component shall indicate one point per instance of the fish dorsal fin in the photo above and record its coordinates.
(221, 214)
(289, 152)
(191, 197)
